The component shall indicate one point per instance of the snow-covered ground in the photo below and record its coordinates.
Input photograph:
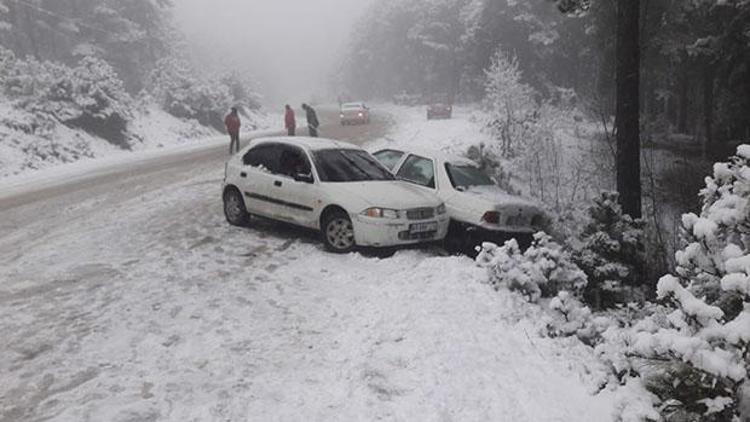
(413, 130)
(142, 304)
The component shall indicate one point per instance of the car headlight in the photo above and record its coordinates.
(441, 209)
(381, 213)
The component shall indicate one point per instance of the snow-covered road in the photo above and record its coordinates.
(141, 304)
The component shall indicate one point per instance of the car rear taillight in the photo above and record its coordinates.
(491, 217)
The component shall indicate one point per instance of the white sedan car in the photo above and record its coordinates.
(479, 209)
(334, 187)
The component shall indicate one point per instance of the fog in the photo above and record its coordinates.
(292, 46)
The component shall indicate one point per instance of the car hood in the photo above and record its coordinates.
(492, 197)
(389, 194)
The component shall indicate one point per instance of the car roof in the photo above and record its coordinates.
(434, 154)
(312, 144)
(358, 104)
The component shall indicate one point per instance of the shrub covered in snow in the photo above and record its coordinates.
(611, 253)
(184, 92)
(543, 270)
(694, 352)
(89, 96)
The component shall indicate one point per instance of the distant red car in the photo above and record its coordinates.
(439, 111)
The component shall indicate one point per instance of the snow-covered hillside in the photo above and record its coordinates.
(28, 143)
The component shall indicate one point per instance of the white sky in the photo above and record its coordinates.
(292, 45)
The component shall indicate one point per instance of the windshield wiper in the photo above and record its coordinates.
(354, 164)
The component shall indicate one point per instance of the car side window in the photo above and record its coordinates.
(389, 158)
(418, 170)
(265, 157)
(293, 162)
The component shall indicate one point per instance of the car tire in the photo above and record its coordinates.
(338, 233)
(234, 208)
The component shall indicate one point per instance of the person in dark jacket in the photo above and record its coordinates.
(312, 120)
(233, 123)
(290, 122)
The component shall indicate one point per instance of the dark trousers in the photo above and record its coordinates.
(313, 131)
(291, 131)
(234, 143)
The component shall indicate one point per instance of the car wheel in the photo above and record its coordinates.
(234, 208)
(338, 233)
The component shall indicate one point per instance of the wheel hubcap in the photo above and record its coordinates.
(233, 207)
(340, 233)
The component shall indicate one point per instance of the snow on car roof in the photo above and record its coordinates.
(312, 144)
(352, 105)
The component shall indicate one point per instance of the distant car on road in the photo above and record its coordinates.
(354, 113)
(479, 209)
(441, 110)
(334, 187)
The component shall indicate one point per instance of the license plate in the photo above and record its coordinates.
(423, 228)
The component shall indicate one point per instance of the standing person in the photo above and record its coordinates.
(290, 122)
(233, 123)
(312, 120)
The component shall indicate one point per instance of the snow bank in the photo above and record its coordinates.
(26, 147)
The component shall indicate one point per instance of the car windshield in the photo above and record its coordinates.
(465, 176)
(349, 165)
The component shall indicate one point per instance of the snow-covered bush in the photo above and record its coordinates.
(543, 270)
(89, 96)
(569, 317)
(694, 353)
(184, 92)
(611, 253)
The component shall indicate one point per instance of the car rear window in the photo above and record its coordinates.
(466, 175)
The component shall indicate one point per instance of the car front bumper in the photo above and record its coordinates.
(354, 120)
(381, 232)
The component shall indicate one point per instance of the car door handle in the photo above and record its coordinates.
(243, 174)
(277, 183)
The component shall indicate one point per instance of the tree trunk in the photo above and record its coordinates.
(628, 107)
(708, 105)
(682, 119)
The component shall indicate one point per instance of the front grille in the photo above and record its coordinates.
(420, 213)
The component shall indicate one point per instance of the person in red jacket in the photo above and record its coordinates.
(232, 122)
(289, 121)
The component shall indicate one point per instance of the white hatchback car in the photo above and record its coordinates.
(479, 210)
(330, 186)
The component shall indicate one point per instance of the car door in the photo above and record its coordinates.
(257, 178)
(419, 171)
(294, 190)
(389, 158)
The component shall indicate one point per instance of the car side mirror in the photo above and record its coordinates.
(304, 178)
